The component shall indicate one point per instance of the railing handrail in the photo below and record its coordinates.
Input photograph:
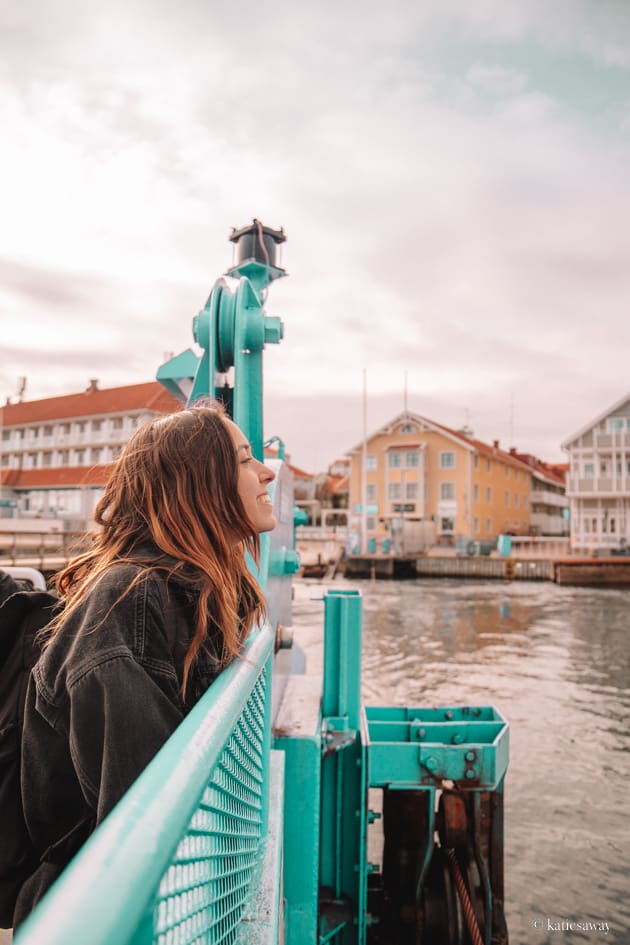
(104, 893)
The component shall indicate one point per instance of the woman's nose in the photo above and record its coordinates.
(266, 474)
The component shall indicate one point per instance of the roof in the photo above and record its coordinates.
(93, 401)
(467, 442)
(552, 472)
(336, 485)
(61, 477)
(593, 423)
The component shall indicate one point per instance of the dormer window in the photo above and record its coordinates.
(408, 428)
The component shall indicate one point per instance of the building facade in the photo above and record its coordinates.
(414, 469)
(549, 505)
(598, 483)
(57, 452)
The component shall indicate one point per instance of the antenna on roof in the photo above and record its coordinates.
(21, 388)
(405, 393)
(511, 438)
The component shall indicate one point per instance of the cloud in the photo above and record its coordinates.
(450, 211)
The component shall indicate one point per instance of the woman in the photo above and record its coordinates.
(157, 607)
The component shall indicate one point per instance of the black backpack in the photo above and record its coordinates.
(21, 617)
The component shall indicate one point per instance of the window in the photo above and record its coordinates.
(370, 523)
(488, 526)
(408, 428)
(32, 460)
(525, 501)
(476, 525)
(394, 490)
(447, 460)
(95, 456)
(488, 465)
(588, 470)
(65, 428)
(47, 459)
(81, 425)
(447, 524)
(412, 458)
(507, 472)
(506, 496)
(488, 494)
(613, 526)
(34, 432)
(371, 463)
(6, 435)
(476, 492)
(370, 492)
(447, 490)
(97, 424)
(411, 490)
(117, 423)
(80, 457)
(516, 500)
(476, 461)
(395, 459)
(48, 430)
(63, 457)
(616, 423)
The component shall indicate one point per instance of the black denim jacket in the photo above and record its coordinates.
(103, 698)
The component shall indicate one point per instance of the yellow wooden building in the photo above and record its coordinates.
(416, 470)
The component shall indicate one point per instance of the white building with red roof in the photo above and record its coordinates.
(57, 452)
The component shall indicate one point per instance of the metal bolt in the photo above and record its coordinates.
(448, 715)
(457, 739)
(431, 763)
(470, 773)
(470, 756)
(421, 732)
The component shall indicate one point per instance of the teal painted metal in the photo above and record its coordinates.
(297, 731)
(418, 746)
(232, 330)
(343, 857)
(174, 860)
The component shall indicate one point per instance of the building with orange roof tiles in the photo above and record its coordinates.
(416, 470)
(57, 453)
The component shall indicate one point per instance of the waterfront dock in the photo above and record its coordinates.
(607, 572)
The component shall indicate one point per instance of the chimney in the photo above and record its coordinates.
(512, 451)
(93, 385)
(495, 444)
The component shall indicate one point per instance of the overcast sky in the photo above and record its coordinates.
(453, 179)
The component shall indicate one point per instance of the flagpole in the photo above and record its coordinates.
(364, 541)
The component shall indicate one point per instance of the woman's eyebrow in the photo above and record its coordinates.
(246, 447)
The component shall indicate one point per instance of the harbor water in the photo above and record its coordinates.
(555, 661)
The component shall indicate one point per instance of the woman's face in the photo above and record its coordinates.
(253, 479)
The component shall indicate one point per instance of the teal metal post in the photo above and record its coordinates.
(232, 330)
(343, 862)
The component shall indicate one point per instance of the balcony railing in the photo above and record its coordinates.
(600, 485)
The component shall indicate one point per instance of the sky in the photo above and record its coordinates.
(453, 180)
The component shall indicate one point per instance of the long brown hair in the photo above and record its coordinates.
(175, 486)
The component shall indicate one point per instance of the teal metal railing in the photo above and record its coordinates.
(173, 862)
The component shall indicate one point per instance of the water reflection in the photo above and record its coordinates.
(556, 662)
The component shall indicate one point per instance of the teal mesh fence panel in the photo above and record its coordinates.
(201, 894)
